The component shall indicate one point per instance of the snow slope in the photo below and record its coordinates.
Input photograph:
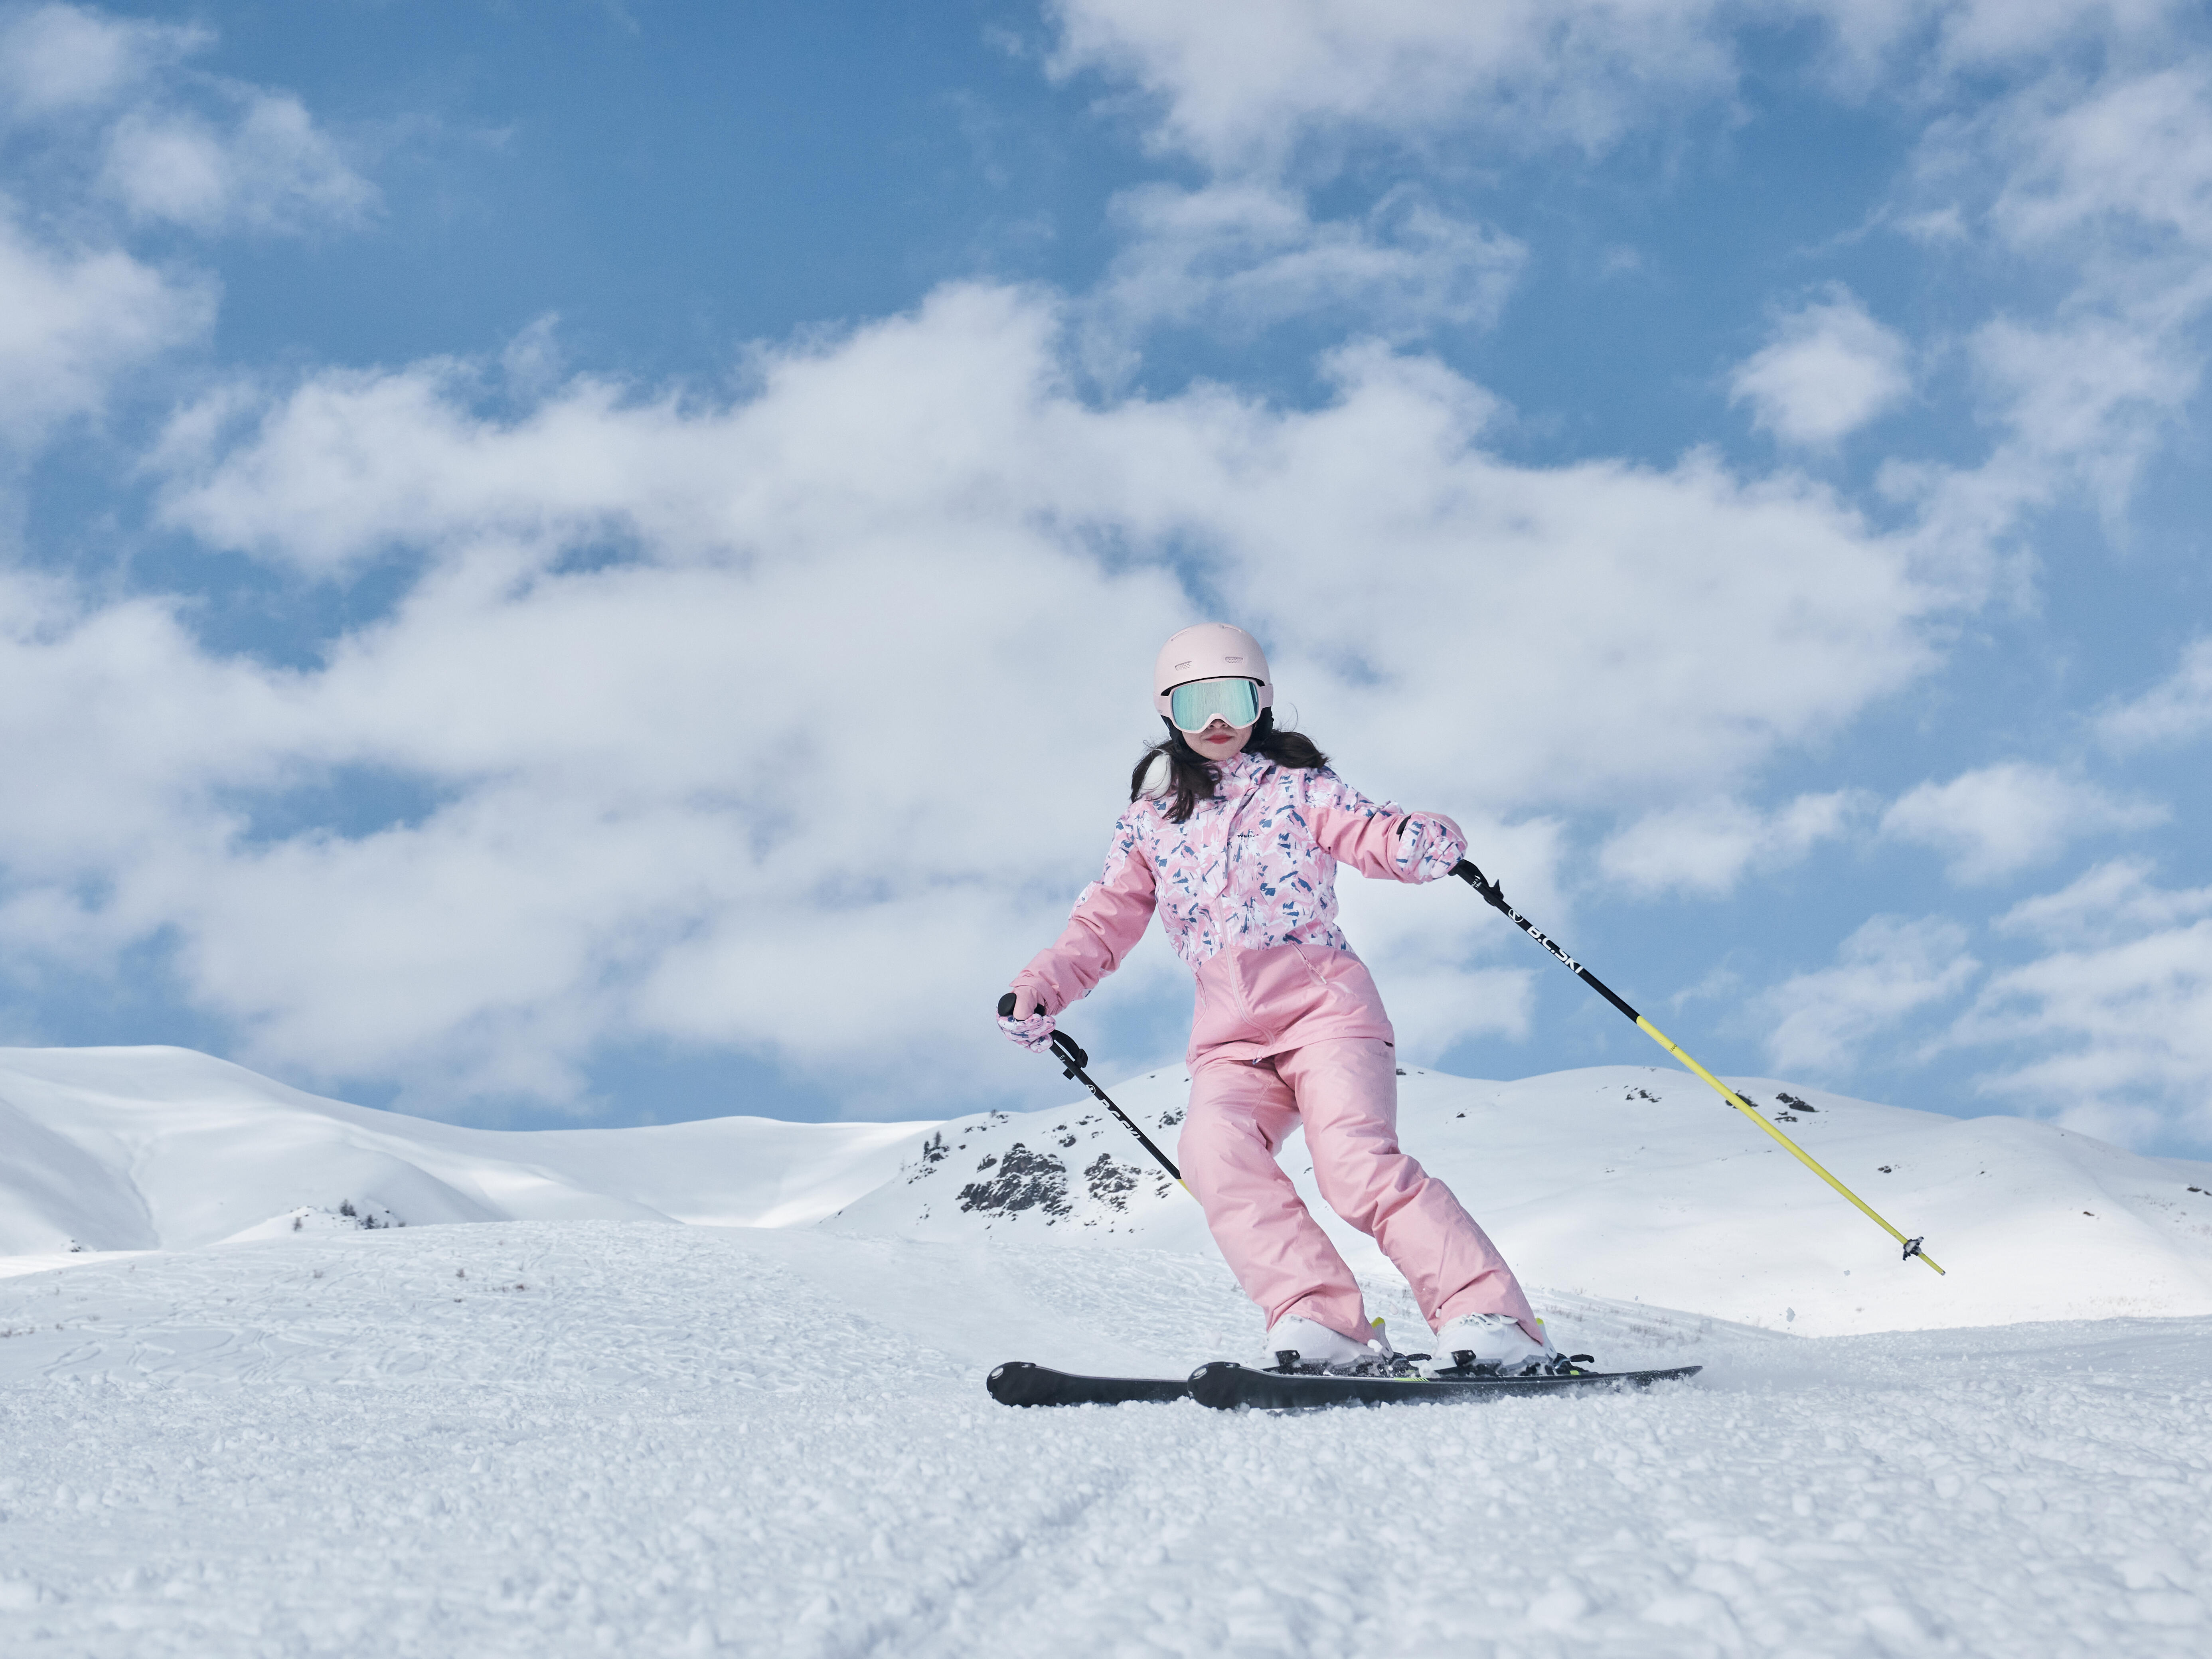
(577, 1428)
(558, 1438)
(139, 1149)
(1641, 1185)
(1633, 1183)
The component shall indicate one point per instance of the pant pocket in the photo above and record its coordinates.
(1323, 966)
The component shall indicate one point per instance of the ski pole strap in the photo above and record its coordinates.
(1493, 894)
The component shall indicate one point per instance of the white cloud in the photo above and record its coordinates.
(1236, 258)
(1915, 40)
(2113, 901)
(1242, 83)
(2135, 148)
(72, 319)
(2118, 1017)
(2109, 1030)
(1826, 371)
(126, 118)
(851, 443)
(2055, 134)
(1995, 821)
(266, 166)
(1976, 33)
(1706, 846)
(701, 711)
(78, 308)
(2092, 396)
(532, 363)
(2176, 710)
(694, 704)
(2071, 143)
(59, 59)
(1889, 969)
(2098, 189)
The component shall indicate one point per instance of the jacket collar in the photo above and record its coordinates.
(1240, 771)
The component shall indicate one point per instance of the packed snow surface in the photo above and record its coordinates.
(570, 1430)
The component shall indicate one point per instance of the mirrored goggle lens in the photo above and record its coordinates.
(1193, 706)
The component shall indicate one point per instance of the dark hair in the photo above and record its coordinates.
(1192, 776)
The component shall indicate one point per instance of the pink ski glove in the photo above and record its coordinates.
(1034, 1033)
(1428, 845)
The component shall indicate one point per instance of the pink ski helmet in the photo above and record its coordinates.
(1210, 651)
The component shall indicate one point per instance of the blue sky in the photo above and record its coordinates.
(596, 562)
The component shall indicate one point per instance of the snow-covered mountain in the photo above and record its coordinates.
(1631, 1184)
(158, 1148)
(1640, 1184)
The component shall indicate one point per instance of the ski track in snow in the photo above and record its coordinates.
(670, 1440)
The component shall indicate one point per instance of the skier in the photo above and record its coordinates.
(1234, 831)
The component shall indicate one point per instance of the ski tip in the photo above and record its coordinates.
(1217, 1383)
(1023, 1382)
(1013, 1383)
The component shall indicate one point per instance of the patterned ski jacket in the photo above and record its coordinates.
(1246, 888)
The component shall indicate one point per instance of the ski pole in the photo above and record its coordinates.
(1493, 894)
(1069, 1053)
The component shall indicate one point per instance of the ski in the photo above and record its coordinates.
(1018, 1382)
(1226, 1385)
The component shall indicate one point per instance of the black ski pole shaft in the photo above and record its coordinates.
(1073, 1059)
(1493, 894)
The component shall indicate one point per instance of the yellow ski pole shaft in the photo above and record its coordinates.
(1912, 1245)
(1494, 895)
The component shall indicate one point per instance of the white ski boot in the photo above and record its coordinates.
(1299, 1345)
(1491, 1345)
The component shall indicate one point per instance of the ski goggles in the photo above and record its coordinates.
(1195, 706)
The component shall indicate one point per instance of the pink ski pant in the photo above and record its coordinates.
(1346, 1092)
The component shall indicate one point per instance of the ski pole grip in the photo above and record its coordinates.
(1070, 1051)
(1493, 892)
